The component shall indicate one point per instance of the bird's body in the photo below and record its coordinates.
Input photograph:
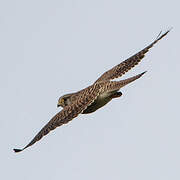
(101, 101)
(95, 96)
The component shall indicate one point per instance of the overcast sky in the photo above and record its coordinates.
(49, 48)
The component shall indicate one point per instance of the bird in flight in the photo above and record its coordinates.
(88, 100)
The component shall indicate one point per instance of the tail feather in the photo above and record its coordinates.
(116, 85)
(131, 79)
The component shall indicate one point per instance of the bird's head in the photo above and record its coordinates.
(64, 100)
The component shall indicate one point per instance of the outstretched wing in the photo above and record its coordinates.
(86, 97)
(129, 63)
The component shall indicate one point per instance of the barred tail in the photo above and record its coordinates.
(116, 85)
(129, 80)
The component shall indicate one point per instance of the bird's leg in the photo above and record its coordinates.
(116, 95)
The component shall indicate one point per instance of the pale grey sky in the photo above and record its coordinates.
(49, 48)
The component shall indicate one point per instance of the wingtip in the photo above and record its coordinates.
(169, 29)
(143, 73)
(160, 35)
(17, 150)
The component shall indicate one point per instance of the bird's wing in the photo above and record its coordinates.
(68, 113)
(129, 63)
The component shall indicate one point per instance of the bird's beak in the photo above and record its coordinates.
(58, 105)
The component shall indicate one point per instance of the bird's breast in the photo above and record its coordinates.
(101, 100)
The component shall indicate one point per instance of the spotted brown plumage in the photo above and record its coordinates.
(68, 113)
(95, 96)
(129, 63)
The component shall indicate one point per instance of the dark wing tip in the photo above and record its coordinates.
(160, 35)
(17, 150)
(143, 73)
(169, 29)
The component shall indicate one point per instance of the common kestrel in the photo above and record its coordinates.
(95, 96)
